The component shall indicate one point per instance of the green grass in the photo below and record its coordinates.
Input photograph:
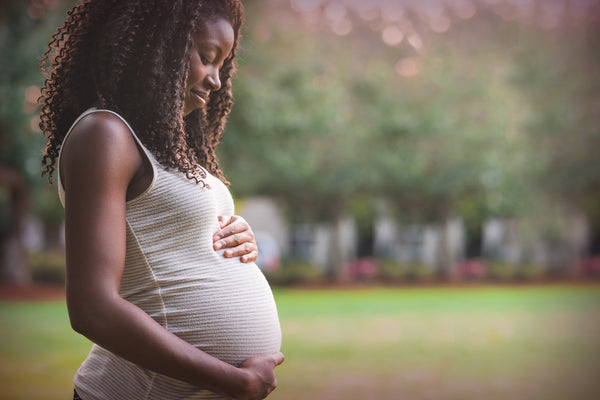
(39, 353)
(540, 342)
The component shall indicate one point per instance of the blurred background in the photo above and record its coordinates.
(434, 147)
(371, 140)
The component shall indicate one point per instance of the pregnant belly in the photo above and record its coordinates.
(230, 315)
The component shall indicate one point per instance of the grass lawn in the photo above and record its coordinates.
(529, 342)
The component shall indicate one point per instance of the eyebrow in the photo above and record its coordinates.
(220, 52)
(211, 43)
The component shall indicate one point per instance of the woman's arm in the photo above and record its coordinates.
(98, 163)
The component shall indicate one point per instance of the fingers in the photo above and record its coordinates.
(237, 238)
(278, 358)
(261, 370)
(273, 386)
(250, 257)
(231, 225)
(234, 240)
(225, 220)
(246, 251)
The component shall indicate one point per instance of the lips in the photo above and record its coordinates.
(201, 96)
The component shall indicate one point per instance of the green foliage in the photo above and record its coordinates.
(283, 138)
(502, 271)
(294, 272)
(47, 206)
(390, 271)
(321, 119)
(4, 208)
(22, 43)
(563, 127)
(48, 268)
(500, 119)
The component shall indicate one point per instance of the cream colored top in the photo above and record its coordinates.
(220, 305)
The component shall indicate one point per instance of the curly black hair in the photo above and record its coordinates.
(132, 57)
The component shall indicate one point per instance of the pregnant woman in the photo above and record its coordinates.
(160, 272)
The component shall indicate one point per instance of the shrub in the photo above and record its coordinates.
(294, 272)
(394, 271)
(48, 267)
(523, 271)
(529, 271)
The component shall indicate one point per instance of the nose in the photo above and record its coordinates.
(213, 79)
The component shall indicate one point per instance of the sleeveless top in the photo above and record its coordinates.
(220, 305)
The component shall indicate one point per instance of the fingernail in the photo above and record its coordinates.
(217, 246)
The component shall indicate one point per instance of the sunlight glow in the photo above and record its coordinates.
(32, 93)
(415, 40)
(392, 11)
(464, 9)
(440, 24)
(335, 11)
(398, 20)
(341, 27)
(368, 13)
(392, 35)
(35, 123)
(408, 67)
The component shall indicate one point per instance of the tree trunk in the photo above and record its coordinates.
(53, 237)
(446, 264)
(337, 259)
(13, 258)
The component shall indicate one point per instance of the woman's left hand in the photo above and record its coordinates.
(237, 238)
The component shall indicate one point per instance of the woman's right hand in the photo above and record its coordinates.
(260, 376)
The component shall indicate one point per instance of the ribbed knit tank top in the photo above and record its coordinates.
(220, 305)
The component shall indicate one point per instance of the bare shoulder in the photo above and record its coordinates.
(100, 143)
(100, 128)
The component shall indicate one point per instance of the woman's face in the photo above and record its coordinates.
(211, 45)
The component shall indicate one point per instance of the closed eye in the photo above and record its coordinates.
(204, 60)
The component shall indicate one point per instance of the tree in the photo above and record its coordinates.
(565, 124)
(323, 120)
(26, 28)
